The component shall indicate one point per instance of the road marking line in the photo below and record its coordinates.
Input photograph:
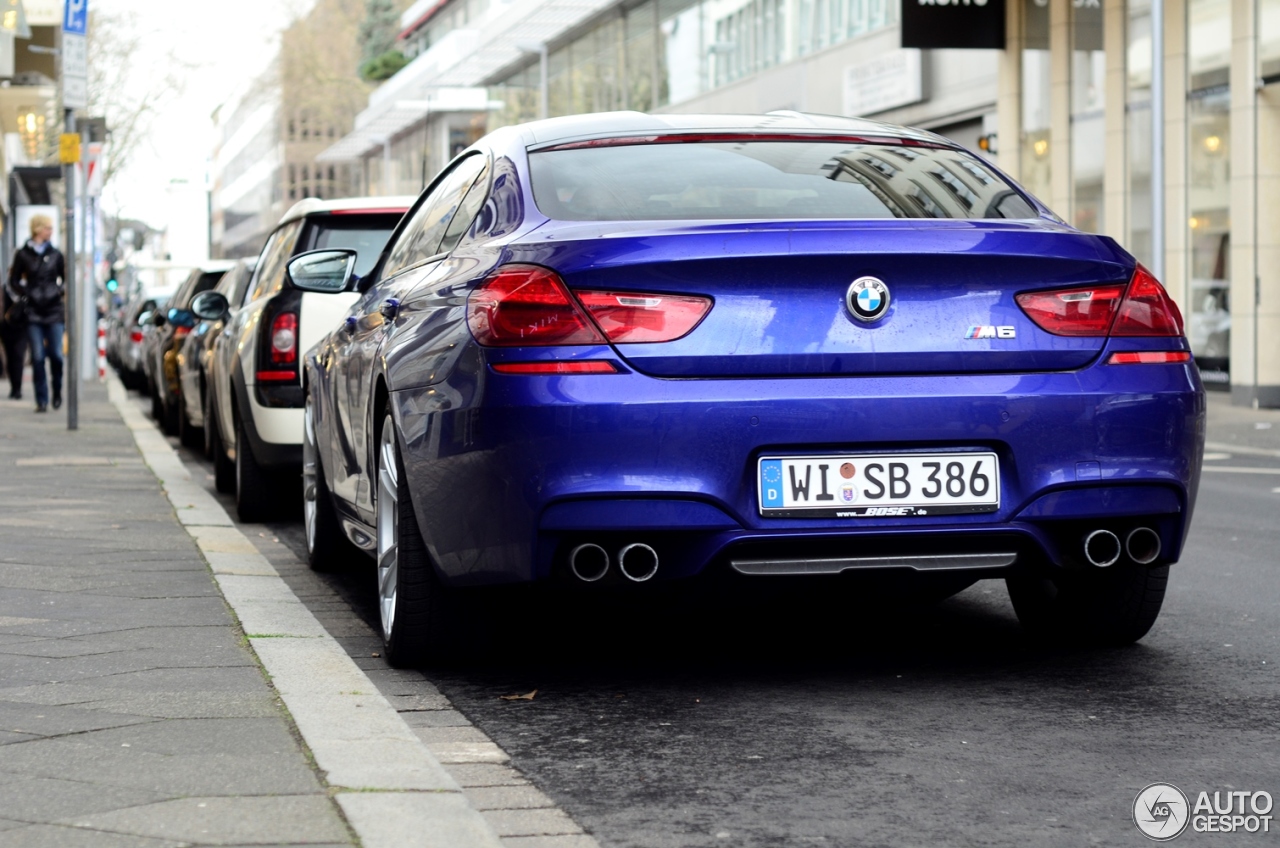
(1230, 448)
(358, 739)
(1239, 469)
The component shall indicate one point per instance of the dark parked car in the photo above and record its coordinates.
(623, 348)
(173, 323)
(195, 361)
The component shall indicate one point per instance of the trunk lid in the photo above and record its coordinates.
(779, 292)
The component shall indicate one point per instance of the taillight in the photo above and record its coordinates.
(136, 337)
(1086, 311)
(521, 305)
(634, 317)
(181, 332)
(1147, 309)
(284, 339)
(1142, 308)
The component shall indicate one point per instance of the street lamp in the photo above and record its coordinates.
(540, 48)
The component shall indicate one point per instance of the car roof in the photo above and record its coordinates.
(606, 124)
(214, 266)
(314, 205)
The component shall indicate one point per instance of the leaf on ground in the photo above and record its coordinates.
(527, 696)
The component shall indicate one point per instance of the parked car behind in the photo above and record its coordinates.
(194, 358)
(623, 348)
(257, 393)
(134, 332)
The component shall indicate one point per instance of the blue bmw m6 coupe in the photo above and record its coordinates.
(620, 348)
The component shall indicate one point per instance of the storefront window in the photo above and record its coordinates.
(1138, 73)
(1035, 99)
(1088, 130)
(1209, 187)
(1269, 40)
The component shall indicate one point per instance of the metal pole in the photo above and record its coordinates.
(72, 359)
(543, 62)
(1157, 141)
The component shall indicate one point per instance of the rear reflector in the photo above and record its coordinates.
(1073, 312)
(526, 305)
(634, 317)
(276, 376)
(1148, 357)
(586, 366)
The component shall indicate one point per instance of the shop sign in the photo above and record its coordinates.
(953, 23)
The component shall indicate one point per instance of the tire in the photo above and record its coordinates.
(224, 470)
(1108, 606)
(327, 546)
(190, 435)
(253, 485)
(206, 405)
(169, 413)
(413, 606)
(157, 410)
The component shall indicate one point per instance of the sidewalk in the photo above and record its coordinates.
(131, 710)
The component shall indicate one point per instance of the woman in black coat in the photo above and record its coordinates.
(38, 275)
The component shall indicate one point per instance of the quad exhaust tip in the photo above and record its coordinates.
(1102, 548)
(638, 562)
(1142, 545)
(589, 562)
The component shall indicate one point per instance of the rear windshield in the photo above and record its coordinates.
(365, 234)
(773, 180)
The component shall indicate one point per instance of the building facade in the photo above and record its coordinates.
(1154, 125)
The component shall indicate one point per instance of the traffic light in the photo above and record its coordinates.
(112, 283)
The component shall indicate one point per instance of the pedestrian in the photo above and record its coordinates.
(13, 335)
(38, 275)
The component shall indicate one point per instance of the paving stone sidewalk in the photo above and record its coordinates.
(131, 710)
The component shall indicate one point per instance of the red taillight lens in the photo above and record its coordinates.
(582, 366)
(284, 339)
(1073, 312)
(1148, 357)
(522, 305)
(181, 332)
(1147, 309)
(136, 336)
(634, 317)
(1142, 308)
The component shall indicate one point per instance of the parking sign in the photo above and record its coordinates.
(75, 17)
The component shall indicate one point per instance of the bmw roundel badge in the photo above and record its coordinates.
(867, 299)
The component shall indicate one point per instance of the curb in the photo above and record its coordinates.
(392, 789)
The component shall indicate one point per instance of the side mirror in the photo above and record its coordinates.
(322, 271)
(210, 306)
(144, 319)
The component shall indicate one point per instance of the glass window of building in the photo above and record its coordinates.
(1209, 186)
(1035, 98)
(1138, 46)
(1088, 132)
(1269, 40)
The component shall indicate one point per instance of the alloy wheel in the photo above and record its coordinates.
(309, 460)
(388, 528)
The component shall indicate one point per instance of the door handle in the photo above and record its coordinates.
(389, 308)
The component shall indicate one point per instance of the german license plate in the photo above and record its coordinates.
(876, 485)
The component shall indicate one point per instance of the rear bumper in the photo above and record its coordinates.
(522, 469)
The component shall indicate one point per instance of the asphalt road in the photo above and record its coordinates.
(840, 717)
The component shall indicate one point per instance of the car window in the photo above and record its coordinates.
(270, 276)
(425, 232)
(467, 212)
(364, 232)
(770, 180)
